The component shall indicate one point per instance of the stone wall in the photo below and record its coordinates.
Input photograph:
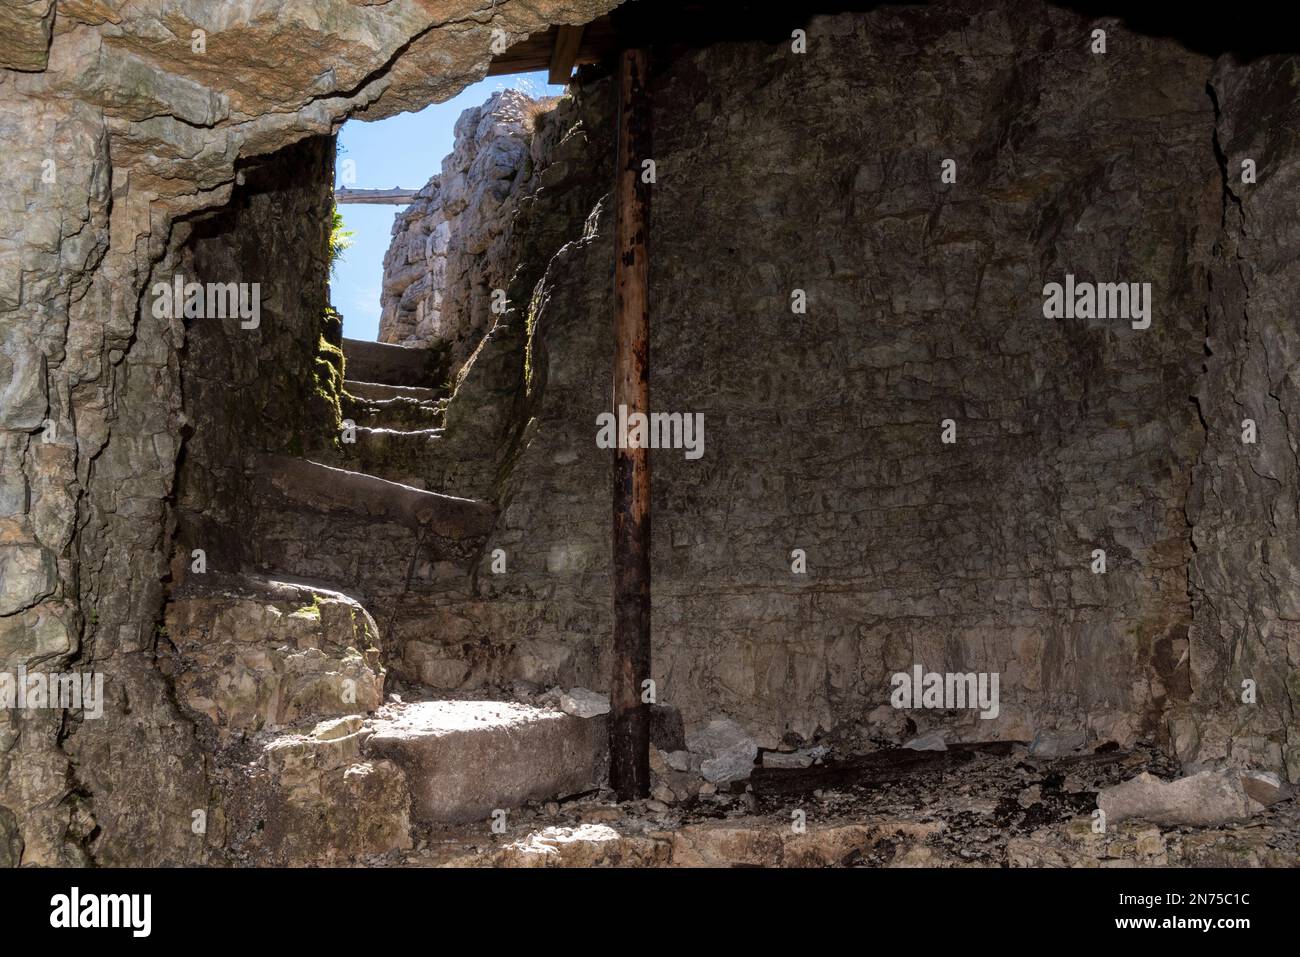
(1244, 576)
(823, 429)
(273, 388)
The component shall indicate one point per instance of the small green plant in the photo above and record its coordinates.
(340, 238)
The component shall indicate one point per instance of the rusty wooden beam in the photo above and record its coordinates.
(568, 40)
(629, 726)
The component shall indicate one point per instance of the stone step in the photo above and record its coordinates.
(396, 455)
(380, 391)
(399, 413)
(311, 796)
(361, 533)
(254, 653)
(325, 488)
(465, 759)
(390, 364)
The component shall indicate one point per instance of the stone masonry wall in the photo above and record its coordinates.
(822, 173)
(268, 389)
(1244, 576)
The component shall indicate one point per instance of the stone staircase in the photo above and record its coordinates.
(287, 662)
(398, 411)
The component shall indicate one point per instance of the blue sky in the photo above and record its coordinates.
(403, 150)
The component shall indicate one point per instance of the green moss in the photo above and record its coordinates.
(311, 611)
(327, 373)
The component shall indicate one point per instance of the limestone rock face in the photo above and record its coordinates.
(446, 256)
(256, 655)
(147, 110)
(313, 798)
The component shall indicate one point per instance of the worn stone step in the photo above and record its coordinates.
(252, 652)
(310, 796)
(397, 455)
(391, 364)
(379, 391)
(325, 488)
(465, 759)
(398, 413)
(361, 533)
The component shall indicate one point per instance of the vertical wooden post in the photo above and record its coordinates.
(629, 726)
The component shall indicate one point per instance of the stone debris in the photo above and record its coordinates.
(582, 703)
(934, 741)
(681, 760)
(803, 758)
(1209, 797)
(727, 751)
(1052, 744)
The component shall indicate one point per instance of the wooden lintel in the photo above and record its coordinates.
(568, 40)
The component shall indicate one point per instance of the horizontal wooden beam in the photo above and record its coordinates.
(568, 40)
(594, 41)
(393, 197)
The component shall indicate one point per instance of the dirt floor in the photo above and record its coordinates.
(989, 805)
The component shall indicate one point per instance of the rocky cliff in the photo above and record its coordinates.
(124, 121)
(450, 246)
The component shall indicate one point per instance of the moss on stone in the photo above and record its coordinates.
(327, 374)
(311, 611)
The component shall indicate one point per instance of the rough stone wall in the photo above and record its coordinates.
(449, 246)
(257, 390)
(1245, 574)
(121, 123)
(823, 430)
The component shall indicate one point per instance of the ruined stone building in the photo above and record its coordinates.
(975, 531)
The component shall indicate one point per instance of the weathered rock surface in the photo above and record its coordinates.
(1206, 798)
(927, 301)
(254, 654)
(124, 433)
(726, 750)
(447, 254)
